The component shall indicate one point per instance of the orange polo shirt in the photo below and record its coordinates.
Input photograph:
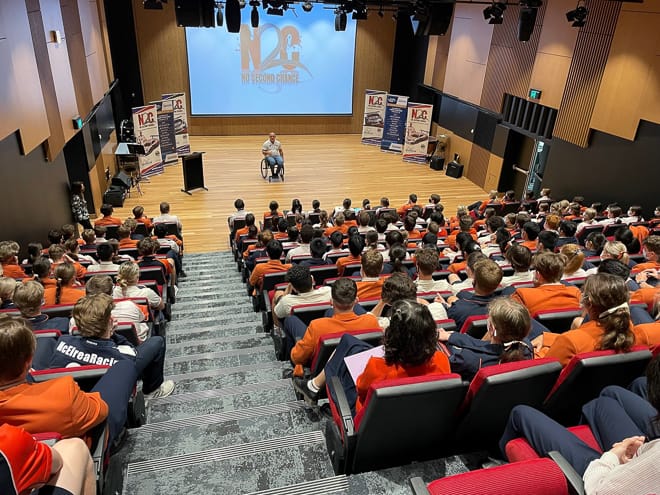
(69, 295)
(12, 270)
(548, 296)
(369, 289)
(261, 269)
(105, 221)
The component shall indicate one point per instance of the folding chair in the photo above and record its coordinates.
(403, 420)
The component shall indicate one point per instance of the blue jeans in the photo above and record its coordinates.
(276, 163)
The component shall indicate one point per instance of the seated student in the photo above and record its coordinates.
(139, 215)
(355, 247)
(549, 292)
(28, 298)
(166, 217)
(409, 224)
(651, 251)
(324, 221)
(363, 220)
(566, 233)
(58, 256)
(97, 341)
(72, 251)
(66, 468)
(621, 422)
(520, 258)
(125, 241)
(552, 223)
(345, 206)
(466, 246)
(272, 212)
(274, 264)
(498, 246)
(281, 233)
(41, 273)
(57, 405)
(337, 243)
(350, 220)
(487, 278)
(89, 238)
(175, 248)
(147, 249)
(464, 226)
(456, 284)
(9, 260)
(7, 288)
(593, 244)
(547, 241)
(239, 214)
(339, 226)
(107, 218)
(396, 256)
(426, 261)
(100, 233)
(123, 311)
(249, 222)
(625, 235)
(480, 206)
(303, 339)
(34, 251)
(317, 248)
(127, 286)
(613, 215)
(66, 289)
(300, 290)
(258, 249)
(574, 261)
(506, 340)
(588, 218)
(410, 349)
(105, 254)
(655, 221)
(493, 224)
(403, 209)
(574, 213)
(610, 327)
(371, 284)
(306, 235)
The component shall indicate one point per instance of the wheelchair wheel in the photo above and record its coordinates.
(265, 168)
(282, 173)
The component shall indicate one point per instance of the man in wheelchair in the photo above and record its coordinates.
(274, 154)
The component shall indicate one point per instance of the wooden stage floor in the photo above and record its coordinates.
(324, 167)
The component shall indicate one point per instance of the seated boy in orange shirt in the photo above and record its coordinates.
(107, 218)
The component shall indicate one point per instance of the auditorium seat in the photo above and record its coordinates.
(403, 420)
(328, 342)
(475, 326)
(557, 320)
(309, 312)
(323, 272)
(586, 375)
(519, 449)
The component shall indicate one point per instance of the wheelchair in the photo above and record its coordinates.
(266, 171)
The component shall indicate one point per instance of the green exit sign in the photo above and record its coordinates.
(534, 94)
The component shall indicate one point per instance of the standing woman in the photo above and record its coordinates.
(79, 205)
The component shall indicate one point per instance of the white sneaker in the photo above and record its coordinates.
(166, 388)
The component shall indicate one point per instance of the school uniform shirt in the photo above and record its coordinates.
(548, 296)
(378, 370)
(12, 270)
(369, 288)
(105, 221)
(640, 267)
(24, 462)
(86, 351)
(346, 260)
(302, 249)
(137, 291)
(261, 269)
(470, 304)
(44, 322)
(305, 348)
(283, 307)
(648, 334)
(54, 405)
(468, 355)
(126, 312)
(103, 266)
(527, 276)
(68, 295)
(167, 218)
(432, 286)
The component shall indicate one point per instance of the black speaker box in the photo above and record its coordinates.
(115, 196)
(122, 180)
(437, 163)
(438, 20)
(195, 13)
(526, 22)
(454, 170)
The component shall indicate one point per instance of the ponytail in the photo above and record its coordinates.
(516, 350)
(58, 291)
(618, 335)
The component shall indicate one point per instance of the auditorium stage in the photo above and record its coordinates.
(324, 167)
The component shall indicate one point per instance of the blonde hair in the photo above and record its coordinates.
(7, 288)
(128, 275)
(17, 345)
(92, 315)
(616, 250)
(28, 298)
(574, 258)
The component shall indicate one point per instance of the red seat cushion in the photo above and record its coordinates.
(520, 450)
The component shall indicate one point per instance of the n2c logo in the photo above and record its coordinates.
(419, 114)
(285, 52)
(375, 100)
(146, 118)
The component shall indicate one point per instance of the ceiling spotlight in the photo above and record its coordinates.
(360, 15)
(494, 13)
(340, 20)
(242, 4)
(273, 11)
(254, 15)
(578, 16)
(307, 6)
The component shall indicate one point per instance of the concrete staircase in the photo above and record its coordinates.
(233, 424)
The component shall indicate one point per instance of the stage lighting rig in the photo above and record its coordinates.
(578, 17)
(494, 13)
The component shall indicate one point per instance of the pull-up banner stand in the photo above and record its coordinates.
(193, 172)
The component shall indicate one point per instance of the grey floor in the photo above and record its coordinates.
(233, 424)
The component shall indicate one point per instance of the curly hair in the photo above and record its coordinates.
(411, 338)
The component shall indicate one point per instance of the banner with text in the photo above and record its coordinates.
(418, 127)
(395, 122)
(145, 122)
(180, 121)
(165, 109)
(374, 117)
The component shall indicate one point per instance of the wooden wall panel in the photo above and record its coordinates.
(77, 56)
(478, 169)
(586, 71)
(554, 53)
(107, 56)
(93, 43)
(493, 173)
(456, 145)
(440, 63)
(510, 62)
(164, 69)
(630, 87)
(467, 59)
(22, 104)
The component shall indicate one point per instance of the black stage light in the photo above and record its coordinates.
(578, 17)
(233, 16)
(152, 5)
(219, 18)
(340, 20)
(254, 17)
(494, 13)
(307, 6)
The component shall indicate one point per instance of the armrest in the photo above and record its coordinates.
(418, 486)
(573, 479)
(343, 408)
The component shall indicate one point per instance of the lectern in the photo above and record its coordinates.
(193, 172)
